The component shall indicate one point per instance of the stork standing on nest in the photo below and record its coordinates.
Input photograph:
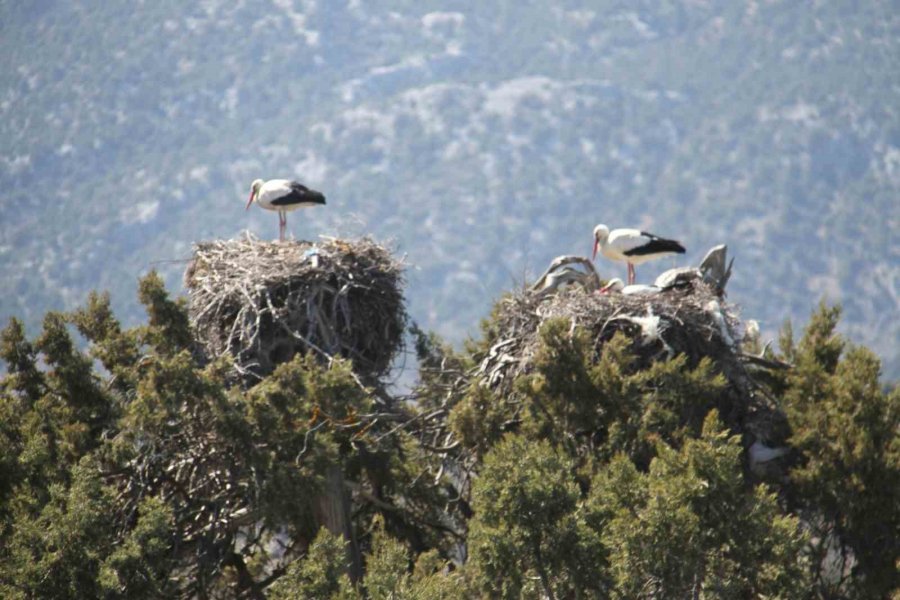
(632, 246)
(283, 195)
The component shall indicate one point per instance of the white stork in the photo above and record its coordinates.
(760, 454)
(283, 195)
(617, 285)
(632, 246)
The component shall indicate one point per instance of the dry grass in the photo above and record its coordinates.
(262, 302)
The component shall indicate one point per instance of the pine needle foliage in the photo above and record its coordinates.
(602, 466)
(845, 426)
(158, 477)
(689, 527)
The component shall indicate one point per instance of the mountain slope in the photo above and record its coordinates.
(485, 140)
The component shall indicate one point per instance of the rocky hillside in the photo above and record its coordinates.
(483, 138)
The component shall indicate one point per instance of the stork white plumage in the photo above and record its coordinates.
(760, 454)
(632, 246)
(616, 285)
(283, 195)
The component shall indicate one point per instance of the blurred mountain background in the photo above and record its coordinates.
(484, 139)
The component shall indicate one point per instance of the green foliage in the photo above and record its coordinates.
(195, 486)
(118, 352)
(388, 576)
(591, 475)
(480, 418)
(307, 417)
(140, 564)
(526, 527)
(845, 425)
(169, 329)
(596, 406)
(56, 548)
(71, 377)
(23, 376)
(691, 526)
(387, 570)
(432, 580)
(320, 576)
(51, 416)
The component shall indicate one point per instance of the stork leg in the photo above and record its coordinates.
(630, 274)
(282, 223)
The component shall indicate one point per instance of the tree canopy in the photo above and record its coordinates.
(139, 468)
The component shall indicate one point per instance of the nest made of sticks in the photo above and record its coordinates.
(262, 302)
(692, 320)
(687, 315)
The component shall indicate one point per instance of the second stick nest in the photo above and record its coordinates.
(684, 313)
(686, 316)
(693, 321)
(263, 302)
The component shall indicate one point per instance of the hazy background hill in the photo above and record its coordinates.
(484, 138)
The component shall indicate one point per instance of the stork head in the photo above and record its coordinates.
(613, 285)
(601, 233)
(254, 190)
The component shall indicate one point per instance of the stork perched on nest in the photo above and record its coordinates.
(632, 246)
(283, 195)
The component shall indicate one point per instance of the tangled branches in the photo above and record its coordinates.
(692, 320)
(684, 314)
(263, 302)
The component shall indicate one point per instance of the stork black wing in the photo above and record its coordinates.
(300, 195)
(655, 245)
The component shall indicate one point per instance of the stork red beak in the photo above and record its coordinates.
(594, 255)
(250, 201)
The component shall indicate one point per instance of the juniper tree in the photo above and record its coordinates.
(594, 473)
(527, 538)
(161, 476)
(594, 406)
(690, 527)
(322, 574)
(847, 485)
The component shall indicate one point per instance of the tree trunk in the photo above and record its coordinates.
(332, 508)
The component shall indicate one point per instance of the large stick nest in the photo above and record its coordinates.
(693, 321)
(262, 302)
(688, 315)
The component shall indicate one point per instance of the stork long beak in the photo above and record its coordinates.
(594, 255)
(250, 201)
